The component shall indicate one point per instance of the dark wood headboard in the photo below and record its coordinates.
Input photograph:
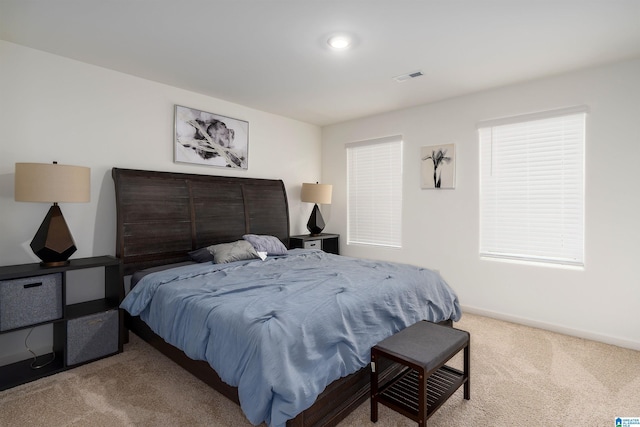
(161, 216)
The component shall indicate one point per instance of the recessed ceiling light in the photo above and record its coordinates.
(339, 42)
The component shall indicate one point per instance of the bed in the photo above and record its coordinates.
(163, 216)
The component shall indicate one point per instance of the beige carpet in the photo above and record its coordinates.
(520, 376)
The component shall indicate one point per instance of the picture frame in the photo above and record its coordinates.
(438, 166)
(210, 139)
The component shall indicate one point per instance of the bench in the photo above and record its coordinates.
(424, 383)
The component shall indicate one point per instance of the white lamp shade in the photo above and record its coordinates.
(316, 193)
(52, 183)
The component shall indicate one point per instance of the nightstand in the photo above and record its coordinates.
(329, 243)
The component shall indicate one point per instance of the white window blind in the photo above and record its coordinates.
(374, 199)
(532, 187)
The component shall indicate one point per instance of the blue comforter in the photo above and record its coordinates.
(282, 329)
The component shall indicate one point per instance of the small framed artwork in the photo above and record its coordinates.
(438, 168)
(210, 139)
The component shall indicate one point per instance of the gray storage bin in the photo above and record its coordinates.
(30, 300)
(91, 337)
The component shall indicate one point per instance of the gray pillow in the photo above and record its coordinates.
(269, 244)
(235, 251)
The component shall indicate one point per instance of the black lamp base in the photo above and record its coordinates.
(53, 242)
(55, 263)
(315, 225)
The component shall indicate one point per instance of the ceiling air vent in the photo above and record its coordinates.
(405, 77)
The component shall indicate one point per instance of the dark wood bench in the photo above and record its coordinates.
(426, 382)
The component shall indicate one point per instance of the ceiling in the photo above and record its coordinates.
(272, 55)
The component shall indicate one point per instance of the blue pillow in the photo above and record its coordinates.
(263, 243)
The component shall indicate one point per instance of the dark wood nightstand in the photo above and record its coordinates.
(329, 243)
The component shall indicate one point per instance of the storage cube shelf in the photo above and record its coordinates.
(32, 295)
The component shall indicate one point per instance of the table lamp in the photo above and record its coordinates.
(317, 194)
(52, 183)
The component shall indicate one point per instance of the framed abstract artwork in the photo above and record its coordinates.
(210, 139)
(438, 166)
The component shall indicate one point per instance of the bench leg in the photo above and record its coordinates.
(422, 399)
(374, 389)
(467, 371)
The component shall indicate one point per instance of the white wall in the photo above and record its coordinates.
(440, 227)
(53, 108)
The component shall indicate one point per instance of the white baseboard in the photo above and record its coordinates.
(607, 339)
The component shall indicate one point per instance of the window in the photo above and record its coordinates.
(532, 187)
(374, 187)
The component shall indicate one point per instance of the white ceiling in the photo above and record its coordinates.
(272, 55)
